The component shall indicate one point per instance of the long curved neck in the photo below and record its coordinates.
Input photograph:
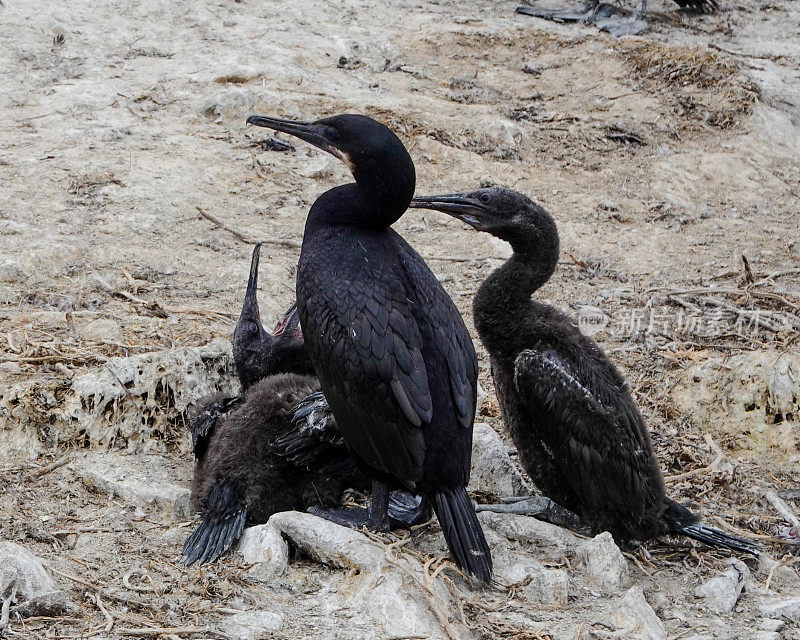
(377, 199)
(503, 300)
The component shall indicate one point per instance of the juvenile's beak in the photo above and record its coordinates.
(458, 205)
(308, 131)
(250, 306)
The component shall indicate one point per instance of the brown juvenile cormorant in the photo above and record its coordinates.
(609, 18)
(568, 409)
(256, 354)
(392, 353)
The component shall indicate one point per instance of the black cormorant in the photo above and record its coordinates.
(568, 409)
(393, 355)
(609, 18)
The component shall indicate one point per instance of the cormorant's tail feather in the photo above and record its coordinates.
(224, 517)
(718, 538)
(463, 532)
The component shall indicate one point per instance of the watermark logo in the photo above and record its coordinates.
(591, 320)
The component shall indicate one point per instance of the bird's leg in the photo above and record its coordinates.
(376, 517)
(538, 507)
(626, 26)
(590, 11)
(406, 510)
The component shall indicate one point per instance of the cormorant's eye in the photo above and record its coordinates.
(330, 134)
(485, 198)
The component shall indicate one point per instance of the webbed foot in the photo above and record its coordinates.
(623, 26)
(538, 507)
(407, 510)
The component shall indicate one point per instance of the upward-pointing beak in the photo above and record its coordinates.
(250, 306)
(308, 131)
(458, 205)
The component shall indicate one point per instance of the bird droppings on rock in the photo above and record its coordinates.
(722, 592)
(264, 548)
(603, 563)
(24, 579)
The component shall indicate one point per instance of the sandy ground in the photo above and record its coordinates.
(665, 159)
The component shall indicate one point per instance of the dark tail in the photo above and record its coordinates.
(680, 520)
(463, 532)
(224, 518)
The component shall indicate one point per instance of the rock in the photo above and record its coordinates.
(320, 166)
(263, 546)
(722, 592)
(533, 68)
(771, 624)
(387, 593)
(530, 531)
(750, 396)
(139, 480)
(231, 103)
(789, 609)
(36, 592)
(102, 330)
(493, 472)
(767, 635)
(10, 367)
(634, 619)
(603, 562)
(538, 583)
(14, 272)
(251, 625)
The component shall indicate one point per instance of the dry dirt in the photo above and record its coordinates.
(665, 159)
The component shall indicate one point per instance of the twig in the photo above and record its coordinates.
(5, 612)
(293, 244)
(160, 631)
(782, 508)
(43, 471)
(109, 618)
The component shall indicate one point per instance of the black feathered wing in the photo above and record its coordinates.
(598, 439)
(373, 322)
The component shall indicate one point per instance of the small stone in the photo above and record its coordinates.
(263, 547)
(533, 68)
(36, 592)
(789, 609)
(319, 166)
(102, 330)
(722, 592)
(493, 472)
(635, 619)
(603, 562)
(771, 624)
(14, 272)
(251, 625)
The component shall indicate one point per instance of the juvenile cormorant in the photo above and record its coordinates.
(394, 358)
(256, 354)
(568, 409)
(609, 18)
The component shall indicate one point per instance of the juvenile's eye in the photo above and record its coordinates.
(485, 198)
(330, 134)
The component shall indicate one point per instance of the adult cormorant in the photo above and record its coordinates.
(609, 18)
(568, 409)
(256, 354)
(394, 358)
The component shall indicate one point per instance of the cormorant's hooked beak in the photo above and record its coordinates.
(250, 306)
(308, 131)
(459, 205)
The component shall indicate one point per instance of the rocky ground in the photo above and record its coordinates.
(130, 191)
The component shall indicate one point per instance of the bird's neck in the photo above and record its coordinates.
(377, 199)
(503, 301)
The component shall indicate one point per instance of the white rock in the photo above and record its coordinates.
(36, 592)
(320, 166)
(603, 562)
(767, 635)
(251, 625)
(635, 619)
(771, 624)
(541, 584)
(789, 608)
(493, 472)
(530, 531)
(722, 592)
(263, 546)
(138, 480)
(102, 330)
